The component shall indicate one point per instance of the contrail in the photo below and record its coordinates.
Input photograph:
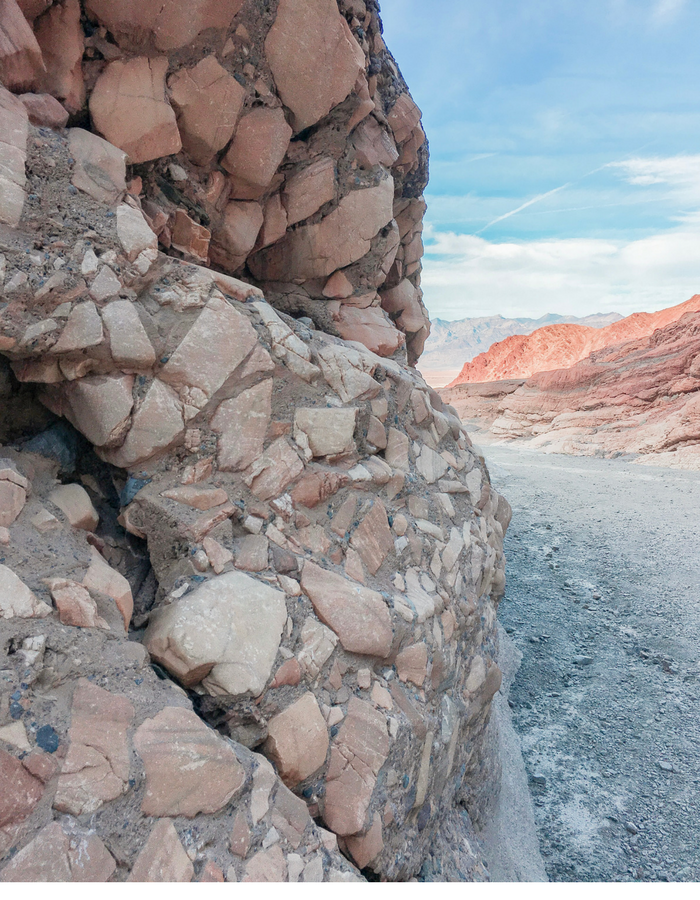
(524, 206)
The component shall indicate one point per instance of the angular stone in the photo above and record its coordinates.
(75, 503)
(286, 345)
(358, 616)
(267, 865)
(237, 234)
(431, 465)
(396, 453)
(264, 779)
(329, 431)
(96, 767)
(242, 424)
(157, 426)
(190, 769)
(61, 40)
(162, 21)
(269, 475)
(257, 150)
(100, 407)
(133, 232)
(318, 644)
(341, 238)
(373, 145)
(275, 222)
(106, 285)
(376, 434)
(83, 329)
(315, 59)
(289, 673)
(163, 858)
(44, 110)
(128, 342)
(75, 605)
(307, 191)
(219, 557)
(100, 167)
(101, 577)
(14, 130)
(19, 791)
(208, 102)
(190, 238)
(412, 664)
(197, 497)
(55, 856)
(404, 118)
(239, 842)
(373, 539)
(12, 500)
(129, 107)
(225, 634)
(316, 487)
(348, 372)
(21, 63)
(371, 327)
(252, 553)
(298, 740)
(357, 754)
(338, 287)
(365, 848)
(17, 600)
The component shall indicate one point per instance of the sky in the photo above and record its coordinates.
(565, 152)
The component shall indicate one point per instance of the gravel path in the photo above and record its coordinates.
(603, 601)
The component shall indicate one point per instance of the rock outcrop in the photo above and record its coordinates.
(250, 561)
(640, 397)
(562, 346)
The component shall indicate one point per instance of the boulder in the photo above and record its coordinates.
(341, 238)
(100, 407)
(225, 635)
(237, 234)
(208, 102)
(75, 504)
(242, 424)
(99, 168)
(129, 343)
(21, 63)
(258, 148)
(133, 232)
(163, 858)
(314, 58)
(45, 111)
(328, 432)
(130, 109)
(61, 40)
(58, 855)
(370, 327)
(156, 426)
(306, 191)
(14, 129)
(17, 600)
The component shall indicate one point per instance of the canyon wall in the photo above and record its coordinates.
(640, 397)
(563, 345)
(249, 562)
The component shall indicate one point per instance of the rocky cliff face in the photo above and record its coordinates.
(639, 397)
(249, 561)
(562, 346)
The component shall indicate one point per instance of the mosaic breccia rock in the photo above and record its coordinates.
(278, 546)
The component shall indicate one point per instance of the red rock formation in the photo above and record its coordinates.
(642, 396)
(561, 346)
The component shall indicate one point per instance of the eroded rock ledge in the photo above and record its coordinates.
(248, 595)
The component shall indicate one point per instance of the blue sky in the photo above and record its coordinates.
(587, 115)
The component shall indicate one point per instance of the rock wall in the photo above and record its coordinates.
(640, 397)
(563, 345)
(249, 561)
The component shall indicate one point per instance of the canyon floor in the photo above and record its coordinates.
(603, 601)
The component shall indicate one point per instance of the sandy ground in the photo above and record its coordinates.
(603, 601)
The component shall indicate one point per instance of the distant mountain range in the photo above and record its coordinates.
(451, 344)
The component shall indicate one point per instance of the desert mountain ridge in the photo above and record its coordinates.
(562, 345)
(452, 343)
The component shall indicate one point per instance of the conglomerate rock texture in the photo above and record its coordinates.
(249, 561)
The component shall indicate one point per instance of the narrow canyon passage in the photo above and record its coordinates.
(603, 601)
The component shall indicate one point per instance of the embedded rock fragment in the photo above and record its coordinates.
(242, 424)
(156, 426)
(339, 239)
(44, 110)
(260, 144)
(17, 600)
(370, 327)
(315, 59)
(358, 615)
(298, 740)
(163, 858)
(21, 63)
(75, 605)
(130, 109)
(373, 539)
(101, 577)
(75, 503)
(225, 634)
(307, 191)
(14, 129)
(96, 767)
(208, 102)
(19, 791)
(100, 167)
(190, 769)
(357, 754)
(61, 40)
(269, 475)
(328, 432)
(100, 407)
(129, 343)
(57, 855)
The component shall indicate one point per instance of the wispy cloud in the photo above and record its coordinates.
(667, 10)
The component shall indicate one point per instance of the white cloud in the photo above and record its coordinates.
(466, 275)
(667, 10)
